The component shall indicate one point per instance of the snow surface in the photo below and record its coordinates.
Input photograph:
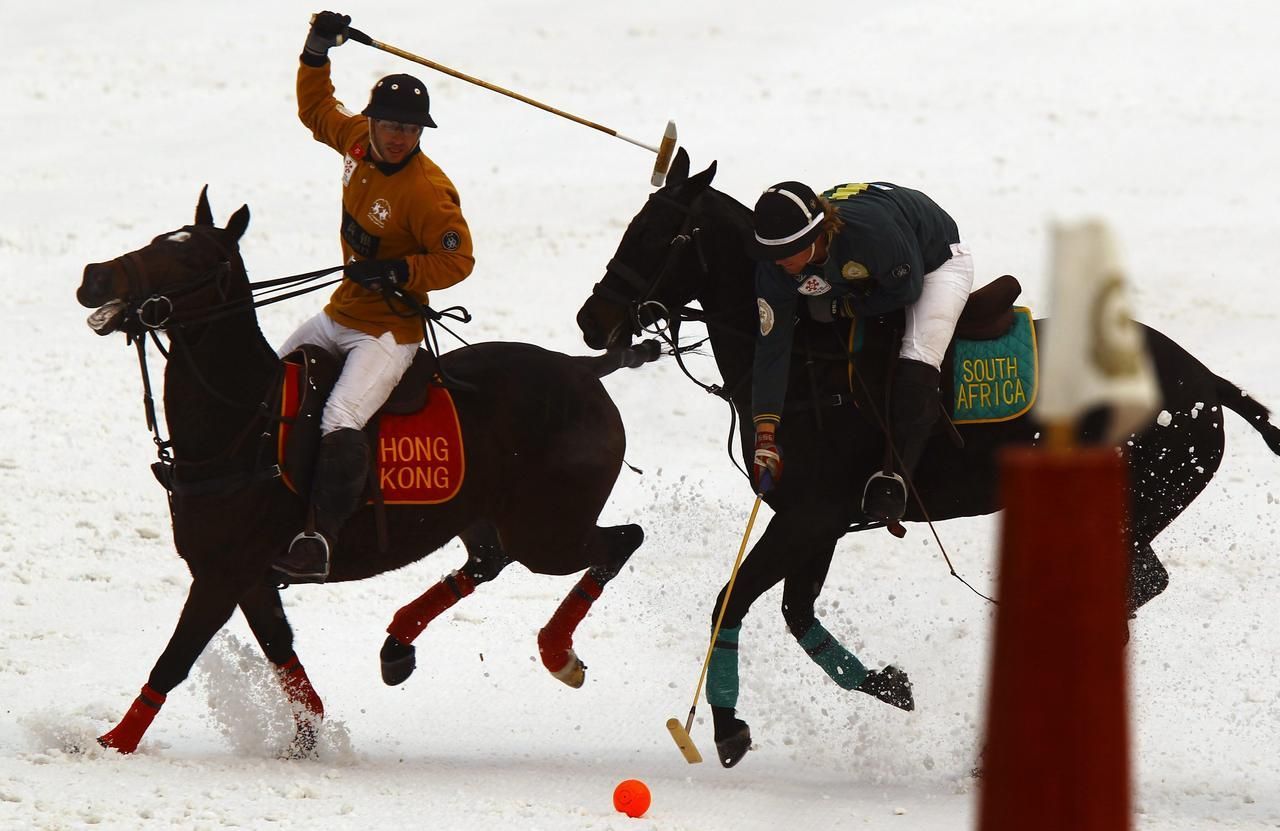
(1160, 117)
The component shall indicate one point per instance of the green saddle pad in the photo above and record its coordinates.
(996, 380)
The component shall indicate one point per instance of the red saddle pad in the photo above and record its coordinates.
(420, 456)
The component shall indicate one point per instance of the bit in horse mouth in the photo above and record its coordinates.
(107, 318)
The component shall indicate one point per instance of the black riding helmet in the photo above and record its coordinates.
(400, 98)
(787, 219)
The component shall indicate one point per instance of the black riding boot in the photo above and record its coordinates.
(336, 492)
(911, 420)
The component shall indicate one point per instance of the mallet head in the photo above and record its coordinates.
(666, 150)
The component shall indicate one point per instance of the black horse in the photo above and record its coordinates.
(687, 244)
(544, 445)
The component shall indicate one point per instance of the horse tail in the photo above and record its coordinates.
(622, 356)
(1250, 409)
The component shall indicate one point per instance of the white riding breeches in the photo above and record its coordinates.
(374, 366)
(931, 320)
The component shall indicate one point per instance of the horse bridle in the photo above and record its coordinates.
(155, 313)
(646, 290)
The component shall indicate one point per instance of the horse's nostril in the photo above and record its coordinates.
(590, 332)
(95, 287)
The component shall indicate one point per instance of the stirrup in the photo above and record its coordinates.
(881, 488)
(290, 569)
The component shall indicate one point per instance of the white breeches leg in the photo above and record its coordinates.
(931, 320)
(374, 366)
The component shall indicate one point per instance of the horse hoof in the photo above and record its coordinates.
(573, 673)
(305, 744)
(398, 661)
(890, 685)
(731, 749)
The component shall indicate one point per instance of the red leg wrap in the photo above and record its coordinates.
(308, 709)
(412, 619)
(556, 638)
(128, 732)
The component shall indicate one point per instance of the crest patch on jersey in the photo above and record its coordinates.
(450, 241)
(766, 315)
(356, 152)
(814, 285)
(380, 212)
(902, 271)
(854, 270)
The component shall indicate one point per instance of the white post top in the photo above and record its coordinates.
(1093, 353)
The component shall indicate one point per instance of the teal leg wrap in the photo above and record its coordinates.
(836, 661)
(722, 674)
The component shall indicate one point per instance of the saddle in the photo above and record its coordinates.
(988, 313)
(990, 371)
(310, 373)
(989, 318)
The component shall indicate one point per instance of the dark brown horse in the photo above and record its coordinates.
(686, 245)
(544, 447)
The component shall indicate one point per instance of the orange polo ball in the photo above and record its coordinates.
(631, 797)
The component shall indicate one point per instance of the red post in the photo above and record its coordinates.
(1057, 750)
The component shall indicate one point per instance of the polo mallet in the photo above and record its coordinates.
(680, 732)
(664, 150)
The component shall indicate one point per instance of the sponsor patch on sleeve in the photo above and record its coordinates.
(854, 270)
(766, 315)
(450, 241)
(814, 285)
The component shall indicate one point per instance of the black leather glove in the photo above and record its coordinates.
(377, 275)
(328, 29)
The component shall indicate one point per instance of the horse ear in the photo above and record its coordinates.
(204, 215)
(679, 171)
(703, 179)
(238, 222)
